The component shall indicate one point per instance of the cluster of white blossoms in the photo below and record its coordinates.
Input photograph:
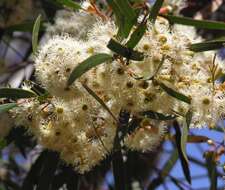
(73, 123)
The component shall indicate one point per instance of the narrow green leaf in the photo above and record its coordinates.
(125, 16)
(136, 36)
(87, 64)
(205, 24)
(184, 135)
(208, 45)
(174, 93)
(211, 167)
(168, 166)
(70, 4)
(124, 51)
(15, 93)
(99, 100)
(24, 27)
(35, 33)
(155, 10)
(126, 9)
(7, 107)
(3, 143)
(181, 139)
(156, 115)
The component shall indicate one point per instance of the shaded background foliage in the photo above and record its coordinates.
(25, 165)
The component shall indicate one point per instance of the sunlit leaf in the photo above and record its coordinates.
(35, 33)
(125, 16)
(155, 10)
(15, 93)
(7, 107)
(87, 64)
(136, 36)
(205, 24)
(70, 4)
(174, 93)
(124, 51)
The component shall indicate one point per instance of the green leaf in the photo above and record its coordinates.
(15, 93)
(70, 4)
(184, 135)
(125, 16)
(124, 51)
(156, 115)
(208, 45)
(168, 166)
(7, 107)
(155, 10)
(174, 93)
(136, 36)
(35, 33)
(99, 100)
(3, 143)
(181, 139)
(211, 167)
(87, 64)
(126, 9)
(205, 24)
(24, 27)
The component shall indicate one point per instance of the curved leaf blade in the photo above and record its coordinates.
(208, 45)
(35, 33)
(181, 139)
(124, 51)
(7, 107)
(204, 24)
(175, 94)
(15, 93)
(86, 65)
(70, 4)
(136, 36)
(155, 10)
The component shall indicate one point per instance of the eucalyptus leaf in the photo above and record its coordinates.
(125, 16)
(174, 93)
(136, 36)
(155, 10)
(181, 139)
(205, 24)
(208, 45)
(86, 65)
(124, 51)
(70, 4)
(7, 107)
(15, 93)
(212, 171)
(35, 33)
(168, 166)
